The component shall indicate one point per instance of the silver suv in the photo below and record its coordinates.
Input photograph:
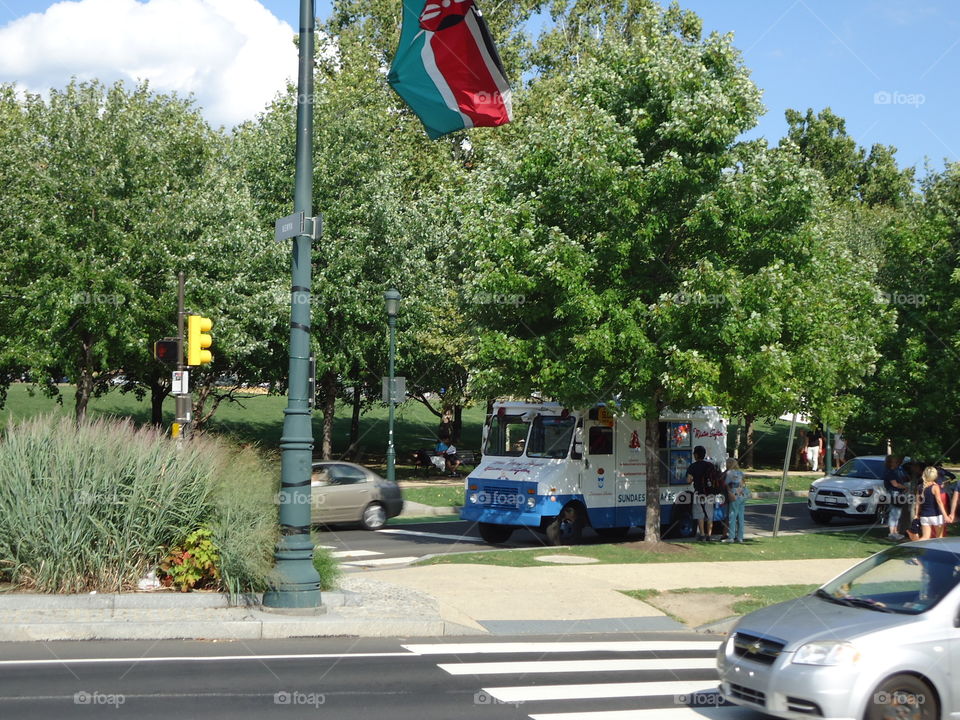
(854, 491)
(882, 640)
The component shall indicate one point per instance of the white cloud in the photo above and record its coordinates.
(233, 55)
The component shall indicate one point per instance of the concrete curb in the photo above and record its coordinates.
(154, 601)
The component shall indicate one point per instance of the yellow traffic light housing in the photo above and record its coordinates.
(198, 340)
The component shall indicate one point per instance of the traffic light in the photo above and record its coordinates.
(198, 340)
(166, 351)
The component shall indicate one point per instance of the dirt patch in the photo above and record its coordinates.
(659, 548)
(695, 609)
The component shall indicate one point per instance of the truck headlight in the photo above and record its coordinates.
(827, 653)
(473, 498)
(531, 502)
(861, 493)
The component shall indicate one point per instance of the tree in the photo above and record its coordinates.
(659, 263)
(128, 187)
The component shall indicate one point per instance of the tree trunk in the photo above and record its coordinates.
(158, 392)
(84, 378)
(651, 447)
(457, 425)
(353, 451)
(329, 405)
(748, 421)
(737, 445)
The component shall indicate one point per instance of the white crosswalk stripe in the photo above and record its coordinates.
(646, 679)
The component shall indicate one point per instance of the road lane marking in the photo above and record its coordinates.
(726, 712)
(211, 658)
(562, 647)
(594, 691)
(564, 666)
(439, 536)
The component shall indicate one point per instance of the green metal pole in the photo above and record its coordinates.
(391, 453)
(298, 584)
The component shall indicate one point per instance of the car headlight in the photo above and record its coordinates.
(813, 489)
(531, 502)
(827, 653)
(861, 493)
(473, 497)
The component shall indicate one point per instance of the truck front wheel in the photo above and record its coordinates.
(495, 534)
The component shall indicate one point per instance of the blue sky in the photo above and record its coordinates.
(888, 67)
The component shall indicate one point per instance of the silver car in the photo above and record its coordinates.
(882, 640)
(854, 491)
(344, 492)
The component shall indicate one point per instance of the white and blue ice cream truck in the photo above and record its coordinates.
(558, 470)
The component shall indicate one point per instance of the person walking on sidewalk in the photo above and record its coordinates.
(814, 448)
(932, 512)
(736, 489)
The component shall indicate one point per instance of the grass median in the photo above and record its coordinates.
(839, 544)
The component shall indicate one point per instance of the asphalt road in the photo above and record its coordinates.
(363, 679)
(399, 544)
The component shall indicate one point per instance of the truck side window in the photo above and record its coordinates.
(600, 440)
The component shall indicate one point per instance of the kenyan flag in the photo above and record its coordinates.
(447, 68)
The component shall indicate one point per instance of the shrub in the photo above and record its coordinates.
(328, 568)
(194, 564)
(91, 506)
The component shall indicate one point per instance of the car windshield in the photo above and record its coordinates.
(862, 468)
(904, 579)
(506, 436)
(550, 436)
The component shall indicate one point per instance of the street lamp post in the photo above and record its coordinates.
(392, 299)
(297, 583)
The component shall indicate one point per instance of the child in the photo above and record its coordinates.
(736, 500)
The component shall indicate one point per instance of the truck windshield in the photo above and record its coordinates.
(507, 436)
(550, 436)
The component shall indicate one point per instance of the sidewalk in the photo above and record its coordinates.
(426, 601)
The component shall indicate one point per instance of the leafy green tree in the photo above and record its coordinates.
(127, 187)
(659, 264)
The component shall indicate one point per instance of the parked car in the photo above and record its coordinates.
(350, 493)
(879, 641)
(854, 491)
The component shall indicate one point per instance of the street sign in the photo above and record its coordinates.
(289, 227)
(399, 390)
(180, 382)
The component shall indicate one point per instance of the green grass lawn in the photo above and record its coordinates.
(790, 547)
(445, 496)
(759, 596)
(259, 418)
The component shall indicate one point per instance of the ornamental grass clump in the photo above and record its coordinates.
(95, 505)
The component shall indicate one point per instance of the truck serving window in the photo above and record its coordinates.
(506, 436)
(550, 436)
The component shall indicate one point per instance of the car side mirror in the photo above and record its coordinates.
(577, 452)
(956, 619)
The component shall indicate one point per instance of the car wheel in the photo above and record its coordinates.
(495, 534)
(616, 533)
(902, 697)
(374, 516)
(883, 512)
(820, 517)
(567, 529)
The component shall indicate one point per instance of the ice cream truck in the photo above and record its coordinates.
(558, 470)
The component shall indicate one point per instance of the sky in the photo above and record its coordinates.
(888, 67)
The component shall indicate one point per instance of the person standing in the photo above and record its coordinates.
(736, 489)
(814, 448)
(700, 474)
(893, 483)
(839, 449)
(932, 512)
